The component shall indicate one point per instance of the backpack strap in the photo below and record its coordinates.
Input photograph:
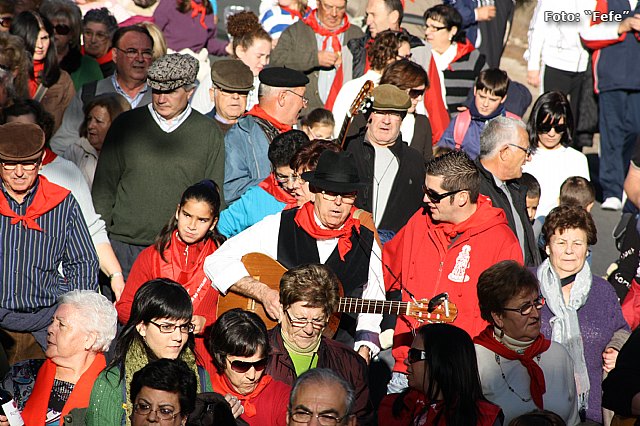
(463, 120)
(512, 115)
(40, 92)
(366, 219)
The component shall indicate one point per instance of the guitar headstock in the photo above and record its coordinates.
(363, 101)
(438, 309)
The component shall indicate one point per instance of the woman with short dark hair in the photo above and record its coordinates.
(520, 370)
(240, 349)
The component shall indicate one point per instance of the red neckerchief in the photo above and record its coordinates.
(199, 8)
(221, 385)
(34, 82)
(305, 218)
(49, 156)
(537, 386)
(462, 48)
(272, 187)
(107, 57)
(35, 410)
(257, 111)
(433, 102)
(312, 21)
(48, 196)
(292, 12)
(189, 272)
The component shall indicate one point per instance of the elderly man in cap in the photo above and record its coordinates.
(281, 97)
(150, 155)
(232, 82)
(392, 170)
(321, 231)
(45, 246)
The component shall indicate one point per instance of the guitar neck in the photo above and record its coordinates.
(372, 306)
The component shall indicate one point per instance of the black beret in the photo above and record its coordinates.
(282, 77)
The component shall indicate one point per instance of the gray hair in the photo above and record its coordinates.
(323, 376)
(97, 313)
(265, 90)
(497, 133)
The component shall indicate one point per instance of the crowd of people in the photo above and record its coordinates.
(313, 221)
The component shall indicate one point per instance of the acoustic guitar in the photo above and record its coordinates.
(269, 271)
(360, 104)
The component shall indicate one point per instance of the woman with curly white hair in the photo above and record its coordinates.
(82, 329)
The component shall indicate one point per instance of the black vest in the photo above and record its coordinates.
(296, 247)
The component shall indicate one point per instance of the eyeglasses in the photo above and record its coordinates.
(345, 198)
(167, 328)
(133, 53)
(527, 151)
(27, 167)
(433, 28)
(394, 114)
(546, 127)
(225, 92)
(528, 307)
(6, 22)
(62, 29)
(305, 101)
(334, 9)
(435, 197)
(101, 37)
(293, 178)
(416, 93)
(163, 413)
(416, 355)
(300, 323)
(305, 417)
(244, 366)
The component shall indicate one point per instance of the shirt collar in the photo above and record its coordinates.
(169, 126)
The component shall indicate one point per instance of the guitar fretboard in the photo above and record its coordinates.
(372, 306)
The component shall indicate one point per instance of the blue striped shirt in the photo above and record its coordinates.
(30, 279)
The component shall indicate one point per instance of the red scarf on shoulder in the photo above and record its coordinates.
(272, 187)
(541, 344)
(312, 21)
(221, 385)
(305, 218)
(48, 196)
(257, 111)
(186, 266)
(199, 9)
(35, 410)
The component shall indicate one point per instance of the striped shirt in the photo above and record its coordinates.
(276, 20)
(30, 259)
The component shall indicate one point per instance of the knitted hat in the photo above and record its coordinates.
(232, 75)
(172, 71)
(21, 142)
(282, 77)
(387, 97)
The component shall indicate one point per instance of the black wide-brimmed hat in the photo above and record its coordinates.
(336, 172)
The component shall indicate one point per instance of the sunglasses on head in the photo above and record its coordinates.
(6, 22)
(546, 127)
(244, 366)
(62, 29)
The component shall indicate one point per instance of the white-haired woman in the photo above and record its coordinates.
(82, 329)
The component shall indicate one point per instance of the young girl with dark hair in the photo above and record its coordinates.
(179, 253)
(48, 84)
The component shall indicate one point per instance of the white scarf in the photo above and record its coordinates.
(565, 328)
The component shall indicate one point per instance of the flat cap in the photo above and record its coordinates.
(21, 142)
(387, 97)
(172, 71)
(232, 74)
(282, 77)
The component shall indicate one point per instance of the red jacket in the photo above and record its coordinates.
(428, 265)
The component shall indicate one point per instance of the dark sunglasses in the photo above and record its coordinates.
(62, 29)
(435, 197)
(244, 366)
(6, 22)
(415, 93)
(416, 355)
(546, 127)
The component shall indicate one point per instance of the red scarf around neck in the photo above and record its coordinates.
(221, 385)
(185, 266)
(312, 21)
(305, 218)
(199, 9)
(35, 410)
(292, 12)
(107, 57)
(34, 82)
(272, 187)
(48, 196)
(434, 104)
(257, 111)
(49, 156)
(537, 387)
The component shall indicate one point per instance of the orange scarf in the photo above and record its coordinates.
(35, 411)
(34, 82)
(257, 111)
(48, 196)
(312, 21)
(305, 218)
(221, 385)
(271, 186)
(199, 9)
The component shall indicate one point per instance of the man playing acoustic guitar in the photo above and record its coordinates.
(323, 230)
